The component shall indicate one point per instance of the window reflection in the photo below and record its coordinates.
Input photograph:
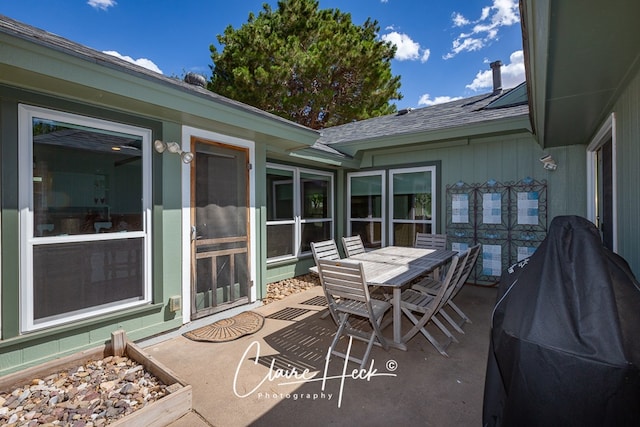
(85, 181)
(366, 208)
(299, 210)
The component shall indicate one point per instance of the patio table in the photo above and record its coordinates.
(413, 263)
(395, 267)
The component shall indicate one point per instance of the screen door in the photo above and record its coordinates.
(219, 227)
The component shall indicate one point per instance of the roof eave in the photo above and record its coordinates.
(489, 127)
(535, 45)
(35, 65)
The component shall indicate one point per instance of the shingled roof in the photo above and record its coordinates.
(53, 41)
(462, 112)
(486, 108)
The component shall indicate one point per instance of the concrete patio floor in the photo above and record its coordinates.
(414, 387)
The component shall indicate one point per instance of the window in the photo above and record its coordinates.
(299, 210)
(412, 206)
(365, 207)
(84, 203)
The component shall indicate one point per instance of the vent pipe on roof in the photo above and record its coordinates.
(195, 79)
(497, 75)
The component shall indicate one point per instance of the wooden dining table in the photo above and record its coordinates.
(395, 267)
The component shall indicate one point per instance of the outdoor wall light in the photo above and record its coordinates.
(173, 147)
(548, 163)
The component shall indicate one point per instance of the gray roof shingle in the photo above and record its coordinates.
(437, 117)
(61, 44)
(453, 114)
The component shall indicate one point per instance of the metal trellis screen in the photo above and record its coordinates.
(508, 219)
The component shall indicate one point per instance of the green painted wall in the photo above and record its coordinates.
(504, 158)
(20, 351)
(474, 161)
(627, 114)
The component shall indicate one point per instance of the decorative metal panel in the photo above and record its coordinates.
(508, 219)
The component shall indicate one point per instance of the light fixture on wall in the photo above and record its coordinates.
(173, 147)
(548, 163)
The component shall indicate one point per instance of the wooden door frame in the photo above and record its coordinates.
(190, 134)
(193, 148)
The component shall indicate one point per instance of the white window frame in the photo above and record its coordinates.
(295, 221)
(606, 131)
(383, 219)
(298, 221)
(26, 114)
(434, 207)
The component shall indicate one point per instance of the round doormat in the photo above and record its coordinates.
(242, 324)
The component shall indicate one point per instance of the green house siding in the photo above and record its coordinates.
(18, 351)
(473, 161)
(503, 159)
(627, 113)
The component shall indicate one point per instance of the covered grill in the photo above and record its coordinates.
(565, 337)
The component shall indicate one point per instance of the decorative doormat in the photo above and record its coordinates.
(242, 324)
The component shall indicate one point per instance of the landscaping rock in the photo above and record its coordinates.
(282, 289)
(95, 394)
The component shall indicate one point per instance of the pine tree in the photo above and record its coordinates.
(314, 67)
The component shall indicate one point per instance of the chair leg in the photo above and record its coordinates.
(465, 318)
(450, 321)
(370, 340)
(442, 349)
(341, 326)
(420, 327)
(444, 329)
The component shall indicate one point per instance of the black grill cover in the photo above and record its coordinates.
(565, 336)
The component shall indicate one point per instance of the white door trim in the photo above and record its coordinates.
(187, 133)
(606, 131)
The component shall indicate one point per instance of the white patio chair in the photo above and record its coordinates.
(346, 290)
(326, 249)
(427, 305)
(431, 288)
(430, 241)
(352, 246)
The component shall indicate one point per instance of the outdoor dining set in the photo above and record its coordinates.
(420, 281)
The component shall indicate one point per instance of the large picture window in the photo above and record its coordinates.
(366, 207)
(299, 210)
(85, 202)
(412, 206)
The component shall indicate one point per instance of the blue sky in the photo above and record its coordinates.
(444, 46)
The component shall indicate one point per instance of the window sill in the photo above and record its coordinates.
(287, 261)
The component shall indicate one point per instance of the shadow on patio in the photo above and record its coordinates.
(418, 386)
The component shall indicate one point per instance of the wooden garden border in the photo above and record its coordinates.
(162, 412)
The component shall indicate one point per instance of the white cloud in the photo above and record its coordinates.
(467, 45)
(406, 48)
(486, 29)
(427, 101)
(101, 4)
(143, 62)
(513, 74)
(459, 20)
(425, 55)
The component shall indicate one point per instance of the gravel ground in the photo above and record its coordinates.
(94, 394)
(279, 290)
(102, 391)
